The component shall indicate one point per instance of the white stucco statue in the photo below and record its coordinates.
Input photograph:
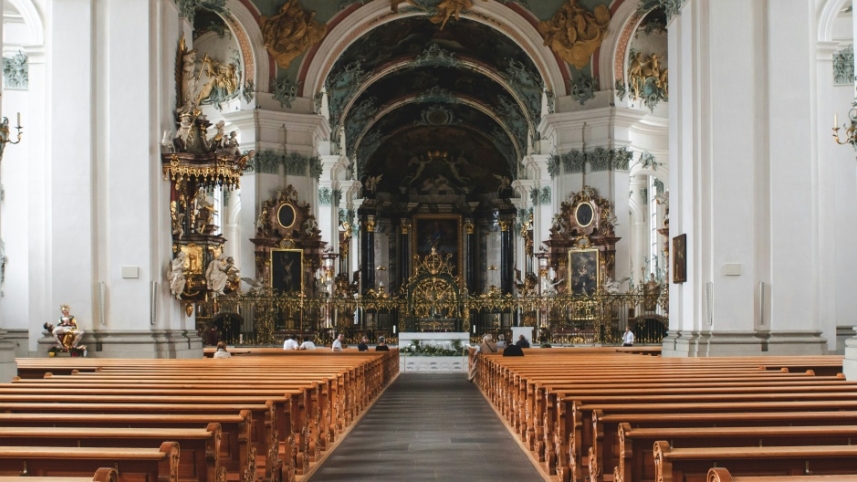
(175, 275)
(216, 275)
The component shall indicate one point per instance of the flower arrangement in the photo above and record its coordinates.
(447, 349)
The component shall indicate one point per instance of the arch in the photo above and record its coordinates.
(377, 13)
(612, 53)
(244, 24)
(413, 99)
(827, 17)
(32, 19)
(474, 66)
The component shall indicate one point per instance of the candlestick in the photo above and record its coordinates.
(835, 120)
(19, 119)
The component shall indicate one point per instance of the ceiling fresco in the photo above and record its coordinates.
(433, 85)
(438, 158)
(430, 83)
(430, 116)
(418, 41)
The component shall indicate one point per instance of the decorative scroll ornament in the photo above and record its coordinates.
(575, 33)
(291, 32)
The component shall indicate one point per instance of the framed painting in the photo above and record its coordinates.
(679, 252)
(287, 270)
(442, 232)
(583, 273)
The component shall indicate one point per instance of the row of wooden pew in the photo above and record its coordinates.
(587, 414)
(211, 420)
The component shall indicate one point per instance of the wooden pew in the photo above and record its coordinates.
(103, 474)
(132, 464)
(200, 447)
(722, 475)
(636, 463)
(235, 429)
(689, 464)
(261, 439)
(350, 383)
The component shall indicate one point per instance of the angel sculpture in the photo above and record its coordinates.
(175, 275)
(505, 183)
(372, 182)
(613, 286)
(256, 286)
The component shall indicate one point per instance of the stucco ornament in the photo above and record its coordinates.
(291, 32)
(447, 9)
(575, 33)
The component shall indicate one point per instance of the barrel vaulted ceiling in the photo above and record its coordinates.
(456, 98)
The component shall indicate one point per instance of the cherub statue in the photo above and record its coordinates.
(230, 145)
(67, 326)
(182, 134)
(219, 138)
(505, 183)
(204, 212)
(372, 182)
(176, 219)
(175, 274)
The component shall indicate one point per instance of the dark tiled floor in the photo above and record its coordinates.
(429, 427)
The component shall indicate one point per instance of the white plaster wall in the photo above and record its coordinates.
(14, 176)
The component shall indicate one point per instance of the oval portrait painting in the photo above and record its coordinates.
(286, 215)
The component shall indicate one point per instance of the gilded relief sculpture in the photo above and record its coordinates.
(648, 78)
(575, 33)
(291, 32)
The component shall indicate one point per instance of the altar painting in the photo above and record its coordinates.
(442, 232)
(583, 272)
(287, 270)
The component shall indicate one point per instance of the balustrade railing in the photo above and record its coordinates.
(264, 319)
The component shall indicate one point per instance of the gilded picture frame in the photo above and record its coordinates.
(287, 270)
(679, 258)
(444, 232)
(584, 275)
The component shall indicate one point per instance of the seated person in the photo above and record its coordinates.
(290, 343)
(382, 344)
(501, 341)
(307, 344)
(363, 346)
(513, 350)
(522, 342)
(221, 351)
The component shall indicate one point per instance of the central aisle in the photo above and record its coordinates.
(429, 427)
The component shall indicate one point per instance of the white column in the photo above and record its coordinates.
(742, 174)
(72, 193)
(38, 303)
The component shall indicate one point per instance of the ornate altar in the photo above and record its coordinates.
(582, 243)
(288, 244)
(434, 298)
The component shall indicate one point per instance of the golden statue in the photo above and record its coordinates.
(447, 9)
(642, 68)
(575, 33)
(291, 32)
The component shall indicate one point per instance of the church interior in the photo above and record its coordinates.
(628, 189)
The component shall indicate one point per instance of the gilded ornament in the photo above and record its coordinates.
(504, 225)
(469, 228)
(291, 32)
(406, 226)
(370, 225)
(575, 33)
(447, 9)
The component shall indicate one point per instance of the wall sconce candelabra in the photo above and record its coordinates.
(850, 131)
(4, 134)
